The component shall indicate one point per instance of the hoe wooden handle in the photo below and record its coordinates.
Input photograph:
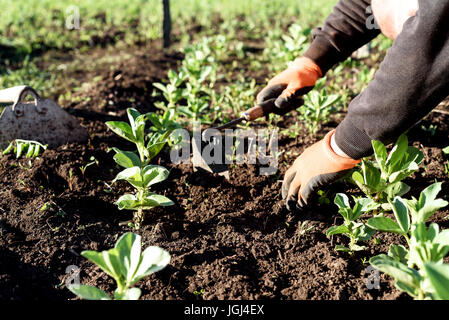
(254, 113)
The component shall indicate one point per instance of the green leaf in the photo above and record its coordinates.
(37, 150)
(336, 230)
(410, 290)
(364, 233)
(397, 189)
(413, 155)
(154, 119)
(427, 203)
(371, 177)
(133, 114)
(399, 271)
(160, 86)
(442, 238)
(398, 253)
(153, 174)
(401, 214)
(384, 224)
(358, 178)
(446, 150)
(153, 260)
(30, 150)
(156, 143)
(128, 202)
(132, 175)
(131, 294)
(438, 275)
(128, 247)
(139, 132)
(341, 200)
(380, 152)
(112, 259)
(88, 292)
(122, 129)
(19, 149)
(126, 159)
(356, 247)
(155, 200)
(341, 248)
(429, 193)
(419, 232)
(154, 149)
(98, 259)
(361, 206)
(409, 164)
(9, 147)
(186, 111)
(397, 153)
(366, 204)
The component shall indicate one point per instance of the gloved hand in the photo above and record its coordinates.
(295, 81)
(318, 165)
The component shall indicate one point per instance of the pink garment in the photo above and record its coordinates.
(392, 14)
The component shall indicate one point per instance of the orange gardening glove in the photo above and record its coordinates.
(317, 166)
(286, 88)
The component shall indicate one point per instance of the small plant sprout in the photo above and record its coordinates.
(29, 148)
(138, 172)
(446, 165)
(382, 180)
(354, 230)
(172, 91)
(84, 168)
(304, 228)
(70, 181)
(195, 109)
(317, 108)
(126, 264)
(198, 293)
(323, 198)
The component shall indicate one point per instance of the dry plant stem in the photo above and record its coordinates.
(138, 218)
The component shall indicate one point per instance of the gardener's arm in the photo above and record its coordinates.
(343, 32)
(410, 82)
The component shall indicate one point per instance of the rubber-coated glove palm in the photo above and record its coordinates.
(317, 166)
(286, 88)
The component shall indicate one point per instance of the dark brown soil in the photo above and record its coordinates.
(228, 239)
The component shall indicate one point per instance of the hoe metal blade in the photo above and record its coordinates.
(42, 120)
(199, 162)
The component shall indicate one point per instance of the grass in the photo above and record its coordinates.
(32, 25)
(30, 28)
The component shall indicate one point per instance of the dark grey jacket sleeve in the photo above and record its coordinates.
(411, 81)
(344, 31)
